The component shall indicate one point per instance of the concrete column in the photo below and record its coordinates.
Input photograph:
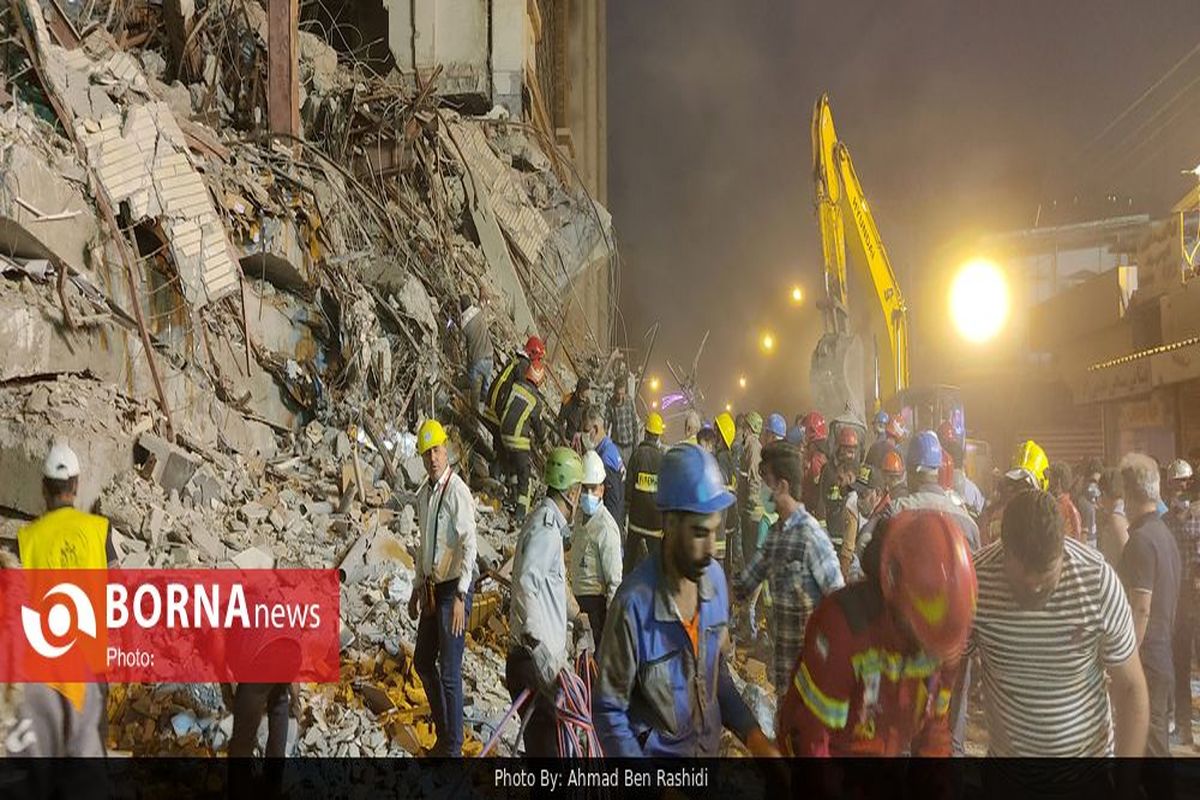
(283, 66)
(508, 53)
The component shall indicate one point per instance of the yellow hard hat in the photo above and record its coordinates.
(1029, 463)
(727, 427)
(430, 436)
(654, 424)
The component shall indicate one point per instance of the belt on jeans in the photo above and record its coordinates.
(644, 532)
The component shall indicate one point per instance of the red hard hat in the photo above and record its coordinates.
(847, 437)
(945, 433)
(815, 429)
(893, 462)
(895, 429)
(928, 579)
(535, 349)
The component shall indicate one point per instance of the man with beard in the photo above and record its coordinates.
(664, 687)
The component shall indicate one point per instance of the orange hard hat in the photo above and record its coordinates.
(847, 437)
(893, 462)
(928, 579)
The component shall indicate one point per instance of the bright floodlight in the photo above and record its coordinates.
(768, 342)
(797, 294)
(742, 382)
(654, 384)
(979, 300)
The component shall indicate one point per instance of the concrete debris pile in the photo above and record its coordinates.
(240, 334)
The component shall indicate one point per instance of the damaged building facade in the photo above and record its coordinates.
(239, 327)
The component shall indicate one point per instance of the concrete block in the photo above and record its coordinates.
(173, 466)
(254, 558)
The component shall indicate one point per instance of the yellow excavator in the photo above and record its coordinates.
(840, 380)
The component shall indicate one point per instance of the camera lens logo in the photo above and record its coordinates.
(75, 607)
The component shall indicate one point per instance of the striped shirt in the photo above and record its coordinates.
(1044, 669)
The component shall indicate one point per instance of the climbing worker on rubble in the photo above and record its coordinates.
(442, 587)
(691, 427)
(541, 605)
(1058, 483)
(664, 685)
(596, 437)
(775, 429)
(478, 337)
(893, 437)
(570, 416)
(498, 393)
(1183, 519)
(816, 435)
(595, 554)
(878, 667)
(66, 718)
(952, 445)
(1052, 620)
(749, 484)
(797, 559)
(520, 426)
(729, 542)
(644, 529)
(622, 419)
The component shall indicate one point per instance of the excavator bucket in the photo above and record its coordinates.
(836, 376)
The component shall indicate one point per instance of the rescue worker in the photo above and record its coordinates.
(622, 418)
(1058, 483)
(66, 718)
(893, 438)
(691, 427)
(664, 685)
(749, 485)
(520, 425)
(879, 424)
(729, 542)
(877, 669)
(644, 529)
(816, 432)
(964, 487)
(442, 589)
(498, 393)
(836, 478)
(873, 506)
(595, 554)
(894, 473)
(1183, 519)
(478, 338)
(1027, 471)
(614, 465)
(797, 560)
(570, 416)
(541, 606)
(775, 429)
(795, 437)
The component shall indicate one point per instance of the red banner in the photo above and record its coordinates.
(169, 626)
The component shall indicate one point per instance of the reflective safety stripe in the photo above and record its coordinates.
(892, 665)
(943, 703)
(832, 713)
(646, 482)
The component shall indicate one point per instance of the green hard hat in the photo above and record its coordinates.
(755, 421)
(564, 469)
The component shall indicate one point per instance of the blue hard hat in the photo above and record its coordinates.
(777, 425)
(690, 480)
(882, 419)
(795, 436)
(924, 451)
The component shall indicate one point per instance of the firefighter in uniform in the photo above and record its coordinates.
(520, 425)
(644, 530)
(497, 396)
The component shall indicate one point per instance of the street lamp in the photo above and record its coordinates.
(729, 407)
(979, 300)
(654, 384)
(797, 295)
(742, 382)
(768, 343)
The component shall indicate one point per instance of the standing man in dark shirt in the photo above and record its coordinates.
(644, 532)
(1183, 518)
(1150, 569)
(570, 416)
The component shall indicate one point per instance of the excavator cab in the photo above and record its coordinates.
(927, 407)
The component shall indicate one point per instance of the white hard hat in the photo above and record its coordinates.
(593, 468)
(1179, 470)
(61, 462)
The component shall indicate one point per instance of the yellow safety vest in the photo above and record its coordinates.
(65, 538)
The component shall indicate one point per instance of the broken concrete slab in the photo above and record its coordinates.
(173, 466)
(254, 558)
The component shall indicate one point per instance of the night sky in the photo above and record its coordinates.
(961, 116)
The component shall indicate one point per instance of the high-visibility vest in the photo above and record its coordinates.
(64, 538)
(523, 404)
(500, 389)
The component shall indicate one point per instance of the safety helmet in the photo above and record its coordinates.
(61, 463)
(795, 436)
(654, 424)
(928, 579)
(925, 452)
(1029, 464)
(536, 374)
(430, 435)
(893, 462)
(593, 468)
(895, 429)
(847, 436)
(1179, 470)
(690, 480)
(881, 421)
(815, 429)
(755, 422)
(534, 350)
(563, 469)
(946, 433)
(777, 425)
(726, 427)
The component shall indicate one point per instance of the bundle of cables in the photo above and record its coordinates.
(576, 734)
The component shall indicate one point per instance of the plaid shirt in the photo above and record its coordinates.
(623, 423)
(801, 567)
(1186, 529)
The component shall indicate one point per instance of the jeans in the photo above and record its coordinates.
(438, 659)
(479, 375)
(541, 732)
(1182, 648)
(1161, 688)
(249, 703)
(959, 703)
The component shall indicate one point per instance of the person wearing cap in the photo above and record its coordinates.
(796, 560)
(498, 393)
(643, 530)
(570, 416)
(478, 338)
(622, 418)
(836, 476)
(749, 487)
(67, 719)
(595, 554)
(540, 604)
(442, 587)
(520, 427)
(595, 436)
(816, 456)
(872, 504)
(1028, 471)
(893, 436)
(664, 686)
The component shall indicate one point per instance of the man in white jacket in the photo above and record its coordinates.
(595, 556)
